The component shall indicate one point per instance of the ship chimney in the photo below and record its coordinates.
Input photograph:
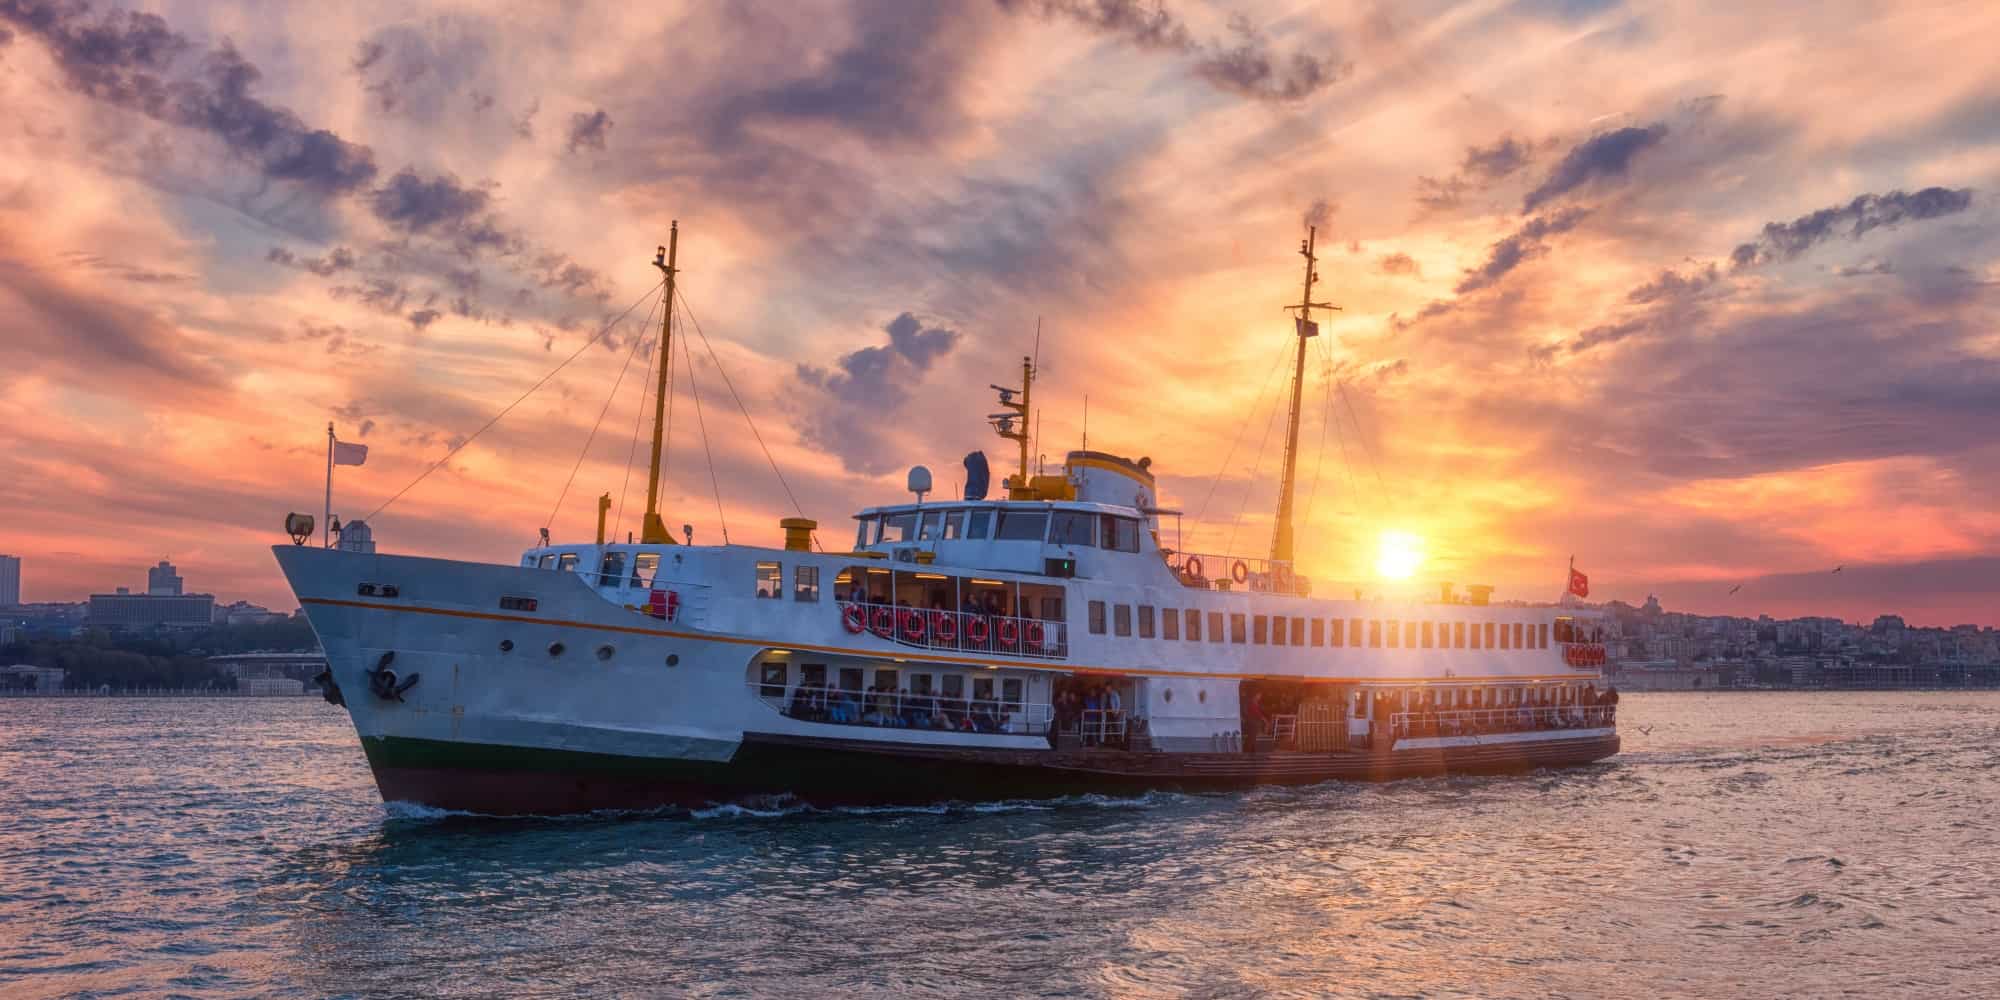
(798, 533)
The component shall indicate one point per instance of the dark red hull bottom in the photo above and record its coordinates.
(516, 781)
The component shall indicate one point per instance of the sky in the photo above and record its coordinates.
(1703, 295)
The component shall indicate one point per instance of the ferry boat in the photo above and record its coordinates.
(1039, 642)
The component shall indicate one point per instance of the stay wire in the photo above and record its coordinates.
(632, 450)
(592, 436)
(1256, 463)
(729, 383)
(599, 335)
(1223, 469)
(1325, 417)
(715, 484)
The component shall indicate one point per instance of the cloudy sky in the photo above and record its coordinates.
(1704, 294)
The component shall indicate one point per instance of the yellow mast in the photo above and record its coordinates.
(654, 530)
(1017, 487)
(1281, 539)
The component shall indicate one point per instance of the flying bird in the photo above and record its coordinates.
(1736, 588)
(1647, 730)
(1840, 567)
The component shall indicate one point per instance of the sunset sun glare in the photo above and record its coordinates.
(1398, 555)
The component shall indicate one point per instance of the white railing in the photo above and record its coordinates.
(959, 631)
(905, 709)
(1099, 726)
(1214, 571)
(1517, 719)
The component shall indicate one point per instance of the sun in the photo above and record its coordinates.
(1399, 555)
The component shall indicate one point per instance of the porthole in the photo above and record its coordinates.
(506, 645)
(1202, 696)
(673, 659)
(1167, 695)
(555, 649)
(604, 652)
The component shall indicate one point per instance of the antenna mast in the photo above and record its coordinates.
(654, 530)
(1281, 539)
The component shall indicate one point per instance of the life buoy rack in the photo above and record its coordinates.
(913, 624)
(943, 628)
(1239, 572)
(1034, 635)
(1010, 632)
(975, 629)
(854, 618)
(884, 623)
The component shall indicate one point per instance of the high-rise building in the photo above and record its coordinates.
(10, 581)
(163, 580)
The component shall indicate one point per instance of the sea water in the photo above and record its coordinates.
(1744, 844)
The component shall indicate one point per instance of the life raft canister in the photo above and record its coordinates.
(1239, 572)
(853, 617)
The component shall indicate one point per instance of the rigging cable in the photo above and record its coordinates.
(632, 450)
(733, 394)
(1240, 428)
(1255, 463)
(608, 399)
(606, 328)
(1325, 417)
(694, 390)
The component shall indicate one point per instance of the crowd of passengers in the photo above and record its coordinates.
(992, 604)
(895, 708)
(1095, 712)
(1539, 710)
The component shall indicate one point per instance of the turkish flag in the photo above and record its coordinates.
(1578, 583)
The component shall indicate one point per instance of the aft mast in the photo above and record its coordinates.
(654, 530)
(1281, 539)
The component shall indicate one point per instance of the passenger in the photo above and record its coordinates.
(1253, 722)
(801, 706)
(1093, 716)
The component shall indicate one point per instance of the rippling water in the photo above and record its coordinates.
(1748, 845)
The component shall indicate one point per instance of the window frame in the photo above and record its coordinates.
(1010, 518)
(1259, 629)
(1170, 624)
(1144, 614)
(1319, 632)
(805, 583)
(777, 578)
(981, 519)
(1121, 620)
(1336, 632)
(1095, 617)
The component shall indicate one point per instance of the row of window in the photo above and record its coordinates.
(775, 676)
(771, 582)
(1278, 630)
(1062, 527)
(610, 571)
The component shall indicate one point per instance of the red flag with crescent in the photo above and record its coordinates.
(1578, 583)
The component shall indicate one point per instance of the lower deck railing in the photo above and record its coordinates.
(906, 710)
(1485, 721)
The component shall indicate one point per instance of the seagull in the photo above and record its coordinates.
(1736, 588)
(1840, 567)
(1646, 730)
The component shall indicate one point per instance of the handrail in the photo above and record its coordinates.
(961, 631)
(901, 709)
(1217, 571)
(1513, 719)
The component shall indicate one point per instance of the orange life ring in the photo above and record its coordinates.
(913, 624)
(1034, 631)
(975, 628)
(1192, 567)
(853, 617)
(1010, 632)
(885, 622)
(1239, 572)
(943, 627)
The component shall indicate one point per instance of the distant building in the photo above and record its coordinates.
(246, 613)
(138, 612)
(28, 677)
(10, 581)
(269, 673)
(163, 580)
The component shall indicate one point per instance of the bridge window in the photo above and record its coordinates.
(931, 527)
(978, 523)
(547, 561)
(1427, 635)
(1335, 636)
(1170, 623)
(862, 528)
(1258, 626)
(899, 527)
(1319, 631)
(954, 525)
(1096, 611)
(645, 566)
(1120, 534)
(1121, 619)
(770, 578)
(1145, 621)
(1022, 526)
(805, 583)
(611, 570)
(1214, 626)
(1070, 527)
(566, 562)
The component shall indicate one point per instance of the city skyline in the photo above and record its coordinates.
(1630, 285)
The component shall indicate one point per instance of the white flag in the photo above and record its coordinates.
(345, 453)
